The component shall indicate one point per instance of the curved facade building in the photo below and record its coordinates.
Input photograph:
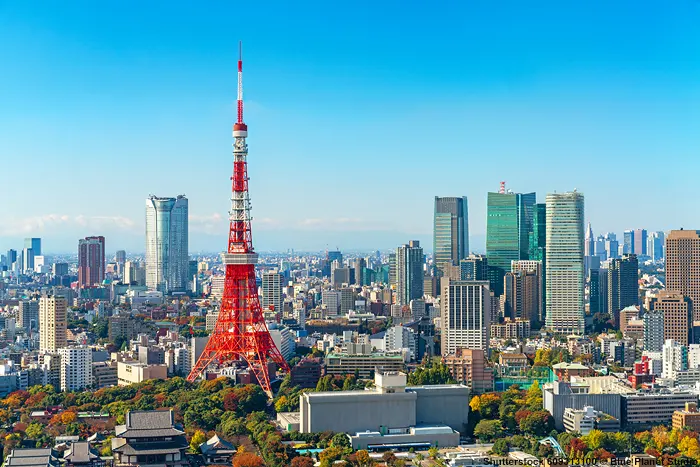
(167, 257)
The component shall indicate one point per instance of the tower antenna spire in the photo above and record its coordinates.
(240, 82)
(240, 334)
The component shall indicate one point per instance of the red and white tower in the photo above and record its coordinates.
(240, 332)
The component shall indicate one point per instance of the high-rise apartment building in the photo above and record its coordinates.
(271, 298)
(91, 261)
(167, 257)
(509, 222)
(675, 311)
(520, 295)
(76, 368)
(474, 268)
(564, 264)
(450, 230)
(466, 316)
(623, 284)
(53, 323)
(28, 317)
(683, 266)
(409, 272)
(533, 289)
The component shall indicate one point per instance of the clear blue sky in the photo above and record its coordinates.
(359, 114)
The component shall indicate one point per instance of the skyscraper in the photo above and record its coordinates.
(53, 323)
(538, 236)
(34, 244)
(28, 317)
(167, 254)
(640, 242)
(655, 246)
(589, 244)
(612, 246)
(271, 291)
(450, 230)
(509, 221)
(564, 264)
(120, 259)
(683, 266)
(628, 242)
(623, 284)
(91, 261)
(531, 272)
(409, 272)
(466, 316)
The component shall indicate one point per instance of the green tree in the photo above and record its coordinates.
(340, 440)
(488, 429)
(533, 399)
(329, 456)
(198, 438)
(34, 430)
(363, 458)
(500, 447)
(538, 423)
(433, 452)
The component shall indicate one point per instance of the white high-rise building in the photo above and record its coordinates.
(564, 263)
(76, 368)
(284, 339)
(271, 291)
(299, 312)
(53, 323)
(399, 337)
(466, 315)
(167, 257)
(675, 358)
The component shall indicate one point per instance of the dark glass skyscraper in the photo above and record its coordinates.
(450, 230)
(509, 221)
(623, 284)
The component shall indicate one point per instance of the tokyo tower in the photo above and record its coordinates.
(240, 333)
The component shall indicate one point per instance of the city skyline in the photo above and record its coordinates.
(164, 101)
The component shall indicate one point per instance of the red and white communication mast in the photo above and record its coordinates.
(240, 332)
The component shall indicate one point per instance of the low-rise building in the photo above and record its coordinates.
(515, 360)
(644, 409)
(469, 367)
(80, 454)
(217, 451)
(587, 419)
(149, 438)
(306, 373)
(131, 372)
(565, 371)
(559, 396)
(688, 417)
(32, 458)
(390, 414)
(104, 374)
(364, 364)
